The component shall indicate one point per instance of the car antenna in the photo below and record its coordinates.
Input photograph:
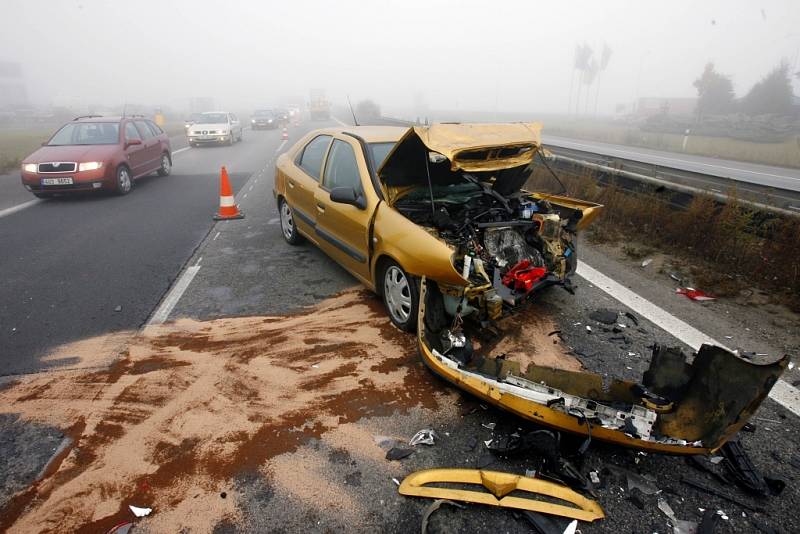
(355, 121)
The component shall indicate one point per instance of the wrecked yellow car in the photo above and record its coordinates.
(392, 205)
(435, 219)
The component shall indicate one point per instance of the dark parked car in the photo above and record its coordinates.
(95, 153)
(263, 118)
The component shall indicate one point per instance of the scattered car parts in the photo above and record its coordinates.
(499, 486)
(679, 407)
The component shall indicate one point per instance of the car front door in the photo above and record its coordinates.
(236, 126)
(152, 147)
(343, 229)
(302, 183)
(134, 149)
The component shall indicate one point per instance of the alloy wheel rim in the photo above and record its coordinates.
(165, 165)
(124, 181)
(287, 223)
(398, 294)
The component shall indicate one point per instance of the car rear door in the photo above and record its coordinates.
(134, 154)
(343, 230)
(152, 147)
(302, 182)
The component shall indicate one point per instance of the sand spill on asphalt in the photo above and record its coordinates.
(192, 405)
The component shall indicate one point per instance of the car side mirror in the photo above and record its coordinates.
(348, 195)
(133, 142)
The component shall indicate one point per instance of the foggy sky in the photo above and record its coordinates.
(477, 55)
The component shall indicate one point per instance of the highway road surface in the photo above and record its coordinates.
(753, 173)
(216, 436)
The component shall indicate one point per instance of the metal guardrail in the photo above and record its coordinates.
(761, 198)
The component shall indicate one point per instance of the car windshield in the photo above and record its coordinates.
(379, 152)
(195, 117)
(86, 133)
(263, 113)
(213, 118)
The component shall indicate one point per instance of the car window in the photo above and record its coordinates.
(144, 130)
(313, 154)
(379, 152)
(341, 169)
(233, 118)
(154, 128)
(86, 133)
(131, 132)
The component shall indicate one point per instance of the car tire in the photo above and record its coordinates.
(400, 294)
(241, 135)
(124, 180)
(232, 140)
(166, 165)
(288, 228)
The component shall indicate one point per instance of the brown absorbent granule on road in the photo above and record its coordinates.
(191, 405)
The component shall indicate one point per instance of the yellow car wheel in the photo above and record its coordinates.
(400, 296)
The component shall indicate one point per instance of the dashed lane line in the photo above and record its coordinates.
(782, 392)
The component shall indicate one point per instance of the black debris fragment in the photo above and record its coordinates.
(471, 444)
(398, 453)
(636, 499)
(486, 459)
(749, 427)
(542, 524)
(604, 315)
(632, 317)
(698, 484)
(742, 469)
(709, 522)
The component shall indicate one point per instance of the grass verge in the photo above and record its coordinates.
(730, 246)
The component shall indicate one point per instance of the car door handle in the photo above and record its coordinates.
(291, 183)
(320, 207)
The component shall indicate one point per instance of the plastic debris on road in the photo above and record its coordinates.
(694, 294)
(435, 505)
(122, 528)
(647, 262)
(398, 453)
(679, 526)
(426, 436)
(140, 512)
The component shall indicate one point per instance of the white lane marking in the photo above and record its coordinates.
(174, 296)
(283, 144)
(250, 188)
(216, 236)
(340, 122)
(19, 207)
(244, 196)
(199, 260)
(273, 221)
(782, 392)
(180, 150)
(688, 162)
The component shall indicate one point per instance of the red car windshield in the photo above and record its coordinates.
(86, 133)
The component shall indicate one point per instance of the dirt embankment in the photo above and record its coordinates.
(192, 405)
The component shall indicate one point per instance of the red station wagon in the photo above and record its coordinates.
(96, 153)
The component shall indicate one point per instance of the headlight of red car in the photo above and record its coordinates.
(89, 166)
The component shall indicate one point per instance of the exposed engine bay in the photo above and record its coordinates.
(506, 245)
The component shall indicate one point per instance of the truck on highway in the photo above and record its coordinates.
(318, 106)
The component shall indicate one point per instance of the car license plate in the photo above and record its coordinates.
(64, 180)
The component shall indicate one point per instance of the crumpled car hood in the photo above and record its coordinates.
(466, 147)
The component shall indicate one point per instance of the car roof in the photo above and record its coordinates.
(370, 134)
(98, 118)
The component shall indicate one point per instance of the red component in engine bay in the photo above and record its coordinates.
(523, 275)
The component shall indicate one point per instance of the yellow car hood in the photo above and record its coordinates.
(466, 147)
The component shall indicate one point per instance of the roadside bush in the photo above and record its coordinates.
(728, 241)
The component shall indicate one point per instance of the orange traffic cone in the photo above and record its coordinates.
(227, 205)
(285, 134)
